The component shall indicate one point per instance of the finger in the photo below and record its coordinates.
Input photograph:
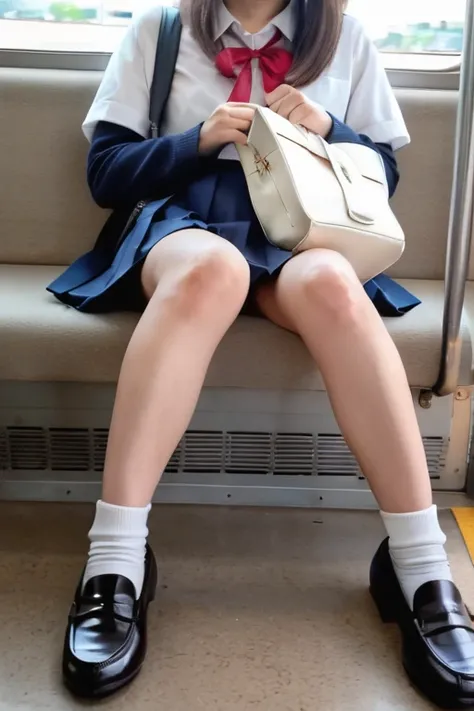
(237, 137)
(300, 114)
(287, 105)
(239, 125)
(242, 104)
(232, 105)
(275, 106)
(279, 93)
(243, 114)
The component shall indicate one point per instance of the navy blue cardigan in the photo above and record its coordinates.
(124, 168)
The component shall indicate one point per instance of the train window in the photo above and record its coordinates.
(414, 34)
(411, 34)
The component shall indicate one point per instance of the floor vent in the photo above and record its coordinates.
(334, 457)
(28, 448)
(248, 452)
(202, 452)
(435, 448)
(174, 464)
(208, 452)
(70, 450)
(3, 450)
(294, 454)
(99, 446)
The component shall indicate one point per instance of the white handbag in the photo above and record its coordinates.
(308, 194)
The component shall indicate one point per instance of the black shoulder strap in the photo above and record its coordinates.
(165, 62)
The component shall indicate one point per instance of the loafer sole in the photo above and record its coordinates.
(81, 692)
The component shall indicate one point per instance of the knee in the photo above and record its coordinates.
(328, 285)
(215, 281)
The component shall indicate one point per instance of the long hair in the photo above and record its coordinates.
(318, 29)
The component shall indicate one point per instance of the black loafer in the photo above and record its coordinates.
(105, 643)
(438, 636)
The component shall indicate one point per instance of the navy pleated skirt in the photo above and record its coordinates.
(108, 277)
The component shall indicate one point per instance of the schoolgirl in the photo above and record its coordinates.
(190, 274)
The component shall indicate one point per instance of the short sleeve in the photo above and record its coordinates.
(123, 97)
(373, 109)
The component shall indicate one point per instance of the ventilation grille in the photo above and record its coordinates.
(174, 463)
(334, 457)
(202, 452)
(3, 450)
(28, 448)
(435, 448)
(81, 450)
(294, 454)
(70, 450)
(99, 446)
(248, 452)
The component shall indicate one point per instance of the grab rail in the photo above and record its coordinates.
(461, 221)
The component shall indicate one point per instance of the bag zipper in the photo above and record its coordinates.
(135, 214)
(137, 210)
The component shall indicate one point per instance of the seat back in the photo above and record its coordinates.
(48, 216)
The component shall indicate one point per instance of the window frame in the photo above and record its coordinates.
(97, 61)
(405, 66)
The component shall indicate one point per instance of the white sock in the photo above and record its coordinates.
(118, 539)
(417, 549)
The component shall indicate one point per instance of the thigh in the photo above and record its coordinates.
(307, 276)
(268, 304)
(178, 252)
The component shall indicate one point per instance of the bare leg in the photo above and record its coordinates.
(196, 283)
(318, 296)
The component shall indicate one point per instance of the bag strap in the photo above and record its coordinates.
(167, 50)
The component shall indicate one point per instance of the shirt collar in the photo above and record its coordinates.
(284, 21)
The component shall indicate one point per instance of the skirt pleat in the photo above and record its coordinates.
(108, 278)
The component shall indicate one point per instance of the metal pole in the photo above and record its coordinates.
(461, 218)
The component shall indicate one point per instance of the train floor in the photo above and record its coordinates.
(262, 609)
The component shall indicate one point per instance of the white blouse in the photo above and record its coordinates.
(354, 88)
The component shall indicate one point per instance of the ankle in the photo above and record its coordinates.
(118, 543)
(416, 528)
(416, 544)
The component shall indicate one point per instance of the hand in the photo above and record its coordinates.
(297, 108)
(230, 123)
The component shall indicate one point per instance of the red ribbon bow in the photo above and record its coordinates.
(275, 63)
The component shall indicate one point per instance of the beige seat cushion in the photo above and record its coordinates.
(43, 340)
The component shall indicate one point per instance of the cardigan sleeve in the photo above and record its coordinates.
(123, 167)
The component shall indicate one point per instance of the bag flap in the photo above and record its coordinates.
(349, 170)
(368, 162)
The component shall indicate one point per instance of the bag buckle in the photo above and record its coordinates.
(262, 164)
